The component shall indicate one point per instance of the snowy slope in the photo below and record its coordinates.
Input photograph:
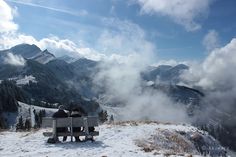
(44, 57)
(26, 111)
(122, 139)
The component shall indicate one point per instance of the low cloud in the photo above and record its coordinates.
(216, 71)
(217, 78)
(183, 12)
(123, 86)
(14, 60)
(54, 44)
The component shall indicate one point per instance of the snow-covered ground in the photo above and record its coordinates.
(122, 139)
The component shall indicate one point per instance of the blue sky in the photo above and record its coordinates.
(123, 26)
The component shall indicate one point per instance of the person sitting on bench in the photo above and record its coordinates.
(76, 113)
(61, 114)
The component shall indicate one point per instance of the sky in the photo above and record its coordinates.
(179, 30)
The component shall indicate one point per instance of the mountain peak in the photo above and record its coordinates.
(25, 50)
(25, 46)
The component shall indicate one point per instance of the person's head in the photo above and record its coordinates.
(76, 111)
(61, 107)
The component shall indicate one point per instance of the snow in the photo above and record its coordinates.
(24, 80)
(49, 111)
(26, 111)
(114, 140)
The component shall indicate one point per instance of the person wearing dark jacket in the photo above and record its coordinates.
(61, 114)
(76, 113)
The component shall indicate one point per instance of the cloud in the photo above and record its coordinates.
(61, 10)
(14, 60)
(118, 40)
(123, 86)
(216, 72)
(54, 44)
(216, 76)
(123, 37)
(6, 18)
(211, 40)
(183, 12)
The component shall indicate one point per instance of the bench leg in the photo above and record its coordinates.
(89, 138)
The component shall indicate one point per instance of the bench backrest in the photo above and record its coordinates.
(71, 122)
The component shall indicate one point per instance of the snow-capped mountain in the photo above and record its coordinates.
(25, 50)
(164, 73)
(44, 57)
(29, 52)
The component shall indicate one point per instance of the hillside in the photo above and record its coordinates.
(129, 139)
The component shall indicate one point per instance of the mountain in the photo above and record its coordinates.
(68, 59)
(164, 73)
(25, 50)
(45, 84)
(45, 78)
(63, 70)
(28, 52)
(83, 66)
(44, 57)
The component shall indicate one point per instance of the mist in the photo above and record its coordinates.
(216, 77)
(15, 60)
(123, 87)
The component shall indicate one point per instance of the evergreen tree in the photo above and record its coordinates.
(111, 120)
(103, 116)
(20, 124)
(27, 124)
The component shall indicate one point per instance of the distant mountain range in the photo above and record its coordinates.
(164, 73)
(68, 74)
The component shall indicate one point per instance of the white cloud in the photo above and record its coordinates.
(217, 78)
(14, 60)
(124, 86)
(6, 18)
(217, 70)
(183, 12)
(118, 40)
(124, 38)
(211, 40)
(37, 4)
(54, 44)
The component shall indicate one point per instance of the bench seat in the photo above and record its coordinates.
(49, 134)
(70, 122)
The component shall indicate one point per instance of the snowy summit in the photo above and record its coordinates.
(129, 139)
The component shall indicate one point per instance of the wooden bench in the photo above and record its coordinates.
(70, 122)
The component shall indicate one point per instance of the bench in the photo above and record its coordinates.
(70, 122)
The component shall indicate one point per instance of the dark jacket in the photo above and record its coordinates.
(60, 114)
(76, 114)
